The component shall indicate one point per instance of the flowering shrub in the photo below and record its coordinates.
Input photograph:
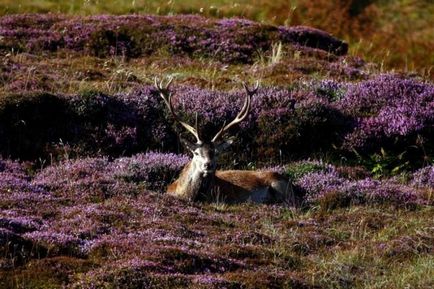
(154, 169)
(423, 177)
(135, 121)
(82, 179)
(314, 116)
(318, 186)
(229, 40)
(16, 189)
(100, 209)
(98, 178)
(94, 215)
(388, 106)
(281, 122)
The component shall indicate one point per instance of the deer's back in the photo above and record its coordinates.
(235, 186)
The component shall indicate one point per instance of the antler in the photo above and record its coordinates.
(244, 112)
(167, 97)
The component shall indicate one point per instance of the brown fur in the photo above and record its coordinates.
(236, 186)
(200, 181)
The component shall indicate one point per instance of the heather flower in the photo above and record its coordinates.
(99, 178)
(154, 169)
(317, 185)
(423, 177)
(11, 167)
(83, 174)
(214, 108)
(57, 243)
(20, 224)
(388, 106)
(15, 185)
(229, 40)
(368, 97)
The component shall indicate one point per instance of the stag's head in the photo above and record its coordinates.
(205, 152)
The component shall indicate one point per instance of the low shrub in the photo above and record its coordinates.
(228, 40)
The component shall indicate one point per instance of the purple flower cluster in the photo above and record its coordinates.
(19, 224)
(99, 178)
(139, 238)
(153, 169)
(423, 177)
(85, 196)
(11, 167)
(15, 186)
(317, 185)
(218, 107)
(230, 40)
(313, 115)
(88, 176)
(388, 106)
(56, 243)
(31, 31)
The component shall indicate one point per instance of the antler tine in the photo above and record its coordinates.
(167, 97)
(244, 112)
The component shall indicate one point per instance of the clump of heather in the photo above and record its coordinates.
(147, 111)
(314, 116)
(11, 167)
(55, 243)
(322, 185)
(370, 96)
(214, 108)
(16, 188)
(153, 169)
(388, 106)
(35, 125)
(19, 224)
(228, 40)
(423, 177)
(98, 178)
(302, 120)
(87, 178)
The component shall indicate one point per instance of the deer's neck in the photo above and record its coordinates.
(192, 184)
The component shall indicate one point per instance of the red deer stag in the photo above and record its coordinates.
(200, 181)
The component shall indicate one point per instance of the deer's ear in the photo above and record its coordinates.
(189, 145)
(220, 147)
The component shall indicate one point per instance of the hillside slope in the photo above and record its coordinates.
(88, 148)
